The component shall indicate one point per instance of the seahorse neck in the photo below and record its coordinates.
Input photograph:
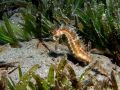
(72, 38)
(68, 34)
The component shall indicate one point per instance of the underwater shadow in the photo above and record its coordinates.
(75, 60)
(70, 57)
(54, 54)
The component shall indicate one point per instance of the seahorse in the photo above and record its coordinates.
(73, 42)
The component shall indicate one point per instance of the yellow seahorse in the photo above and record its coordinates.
(73, 42)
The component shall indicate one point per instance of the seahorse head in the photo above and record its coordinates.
(68, 31)
(56, 34)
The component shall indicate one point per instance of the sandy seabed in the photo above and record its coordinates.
(29, 54)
